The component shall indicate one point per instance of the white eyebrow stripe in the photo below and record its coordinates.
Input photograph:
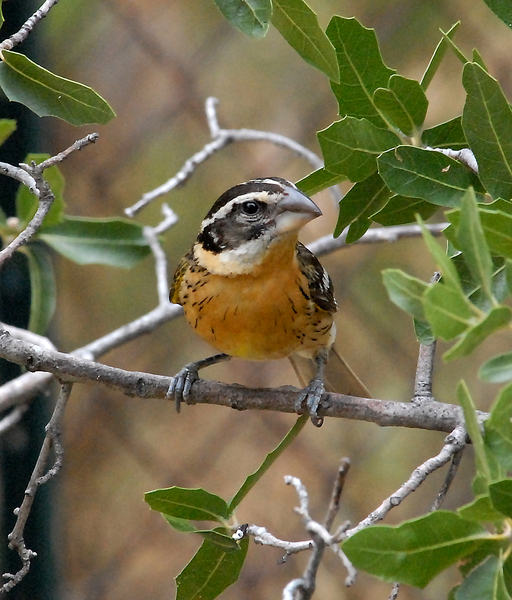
(226, 209)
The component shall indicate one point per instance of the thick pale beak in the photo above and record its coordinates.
(294, 210)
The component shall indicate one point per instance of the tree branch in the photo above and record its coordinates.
(28, 26)
(433, 415)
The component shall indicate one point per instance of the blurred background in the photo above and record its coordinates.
(156, 62)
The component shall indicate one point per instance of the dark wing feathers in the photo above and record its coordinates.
(320, 284)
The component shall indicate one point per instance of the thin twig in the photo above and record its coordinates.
(39, 477)
(220, 139)
(453, 444)
(28, 26)
(41, 189)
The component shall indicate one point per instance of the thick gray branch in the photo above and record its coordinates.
(433, 415)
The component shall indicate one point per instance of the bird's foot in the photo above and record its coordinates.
(311, 397)
(182, 383)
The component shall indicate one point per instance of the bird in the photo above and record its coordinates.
(251, 290)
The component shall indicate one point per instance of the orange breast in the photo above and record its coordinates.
(259, 317)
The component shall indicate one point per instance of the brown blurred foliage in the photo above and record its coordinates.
(156, 62)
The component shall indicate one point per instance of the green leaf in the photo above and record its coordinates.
(362, 70)
(446, 135)
(215, 536)
(483, 474)
(472, 243)
(400, 210)
(480, 510)
(252, 479)
(415, 551)
(252, 17)
(361, 201)
(473, 290)
(27, 203)
(496, 319)
(357, 229)
(184, 503)
(210, 572)
(43, 286)
(182, 525)
(497, 369)
(351, 146)
(405, 291)
(403, 102)
(7, 126)
(501, 496)
(424, 333)
(298, 24)
(450, 275)
(497, 226)
(437, 57)
(318, 181)
(485, 582)
(487, 121)
(110, 241)
(47, 94)
(502, 9)
(498, 429)
(447, 311)
(425, 174)
(1, 15)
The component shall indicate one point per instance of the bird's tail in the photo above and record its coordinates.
(338, 376)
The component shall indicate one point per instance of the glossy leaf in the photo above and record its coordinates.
(447, 311)
(298, 24)
(318, 181)
(502, 9)
(110, 241)
(27, 203)
(403, 102)
(351, 146)
(501, 496)
(415, 551)
(483, 473)
(447, 268)
(480, 510)
(7, 126)
(184, 503)
(252, 17)
(485, 582)
(431, 176)
(210, 572)
(437, 57)
(47, 94)
(446, 135)
(487, 122)
(401, 210)
(498, 318)
(361, 201)
(423, 332)
(497, 369)
(362, 70)
(405, 291)
(43, 287)
(472, 243)
(498, 429)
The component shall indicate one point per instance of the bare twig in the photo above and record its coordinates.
(39, 477)
(28, 26)
(263, 537)
(151, 234)
(12, 418)
(328, 244)
(453, 445)
(41, 189)
(220, 139)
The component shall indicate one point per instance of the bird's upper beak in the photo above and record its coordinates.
(295, 209)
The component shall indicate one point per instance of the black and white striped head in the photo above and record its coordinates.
(245, 220)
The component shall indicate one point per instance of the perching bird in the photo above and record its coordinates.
(252, 290)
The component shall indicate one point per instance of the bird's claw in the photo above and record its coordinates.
(181, 385)
(311, 396)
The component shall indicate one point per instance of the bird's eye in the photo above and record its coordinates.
(250, 207)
